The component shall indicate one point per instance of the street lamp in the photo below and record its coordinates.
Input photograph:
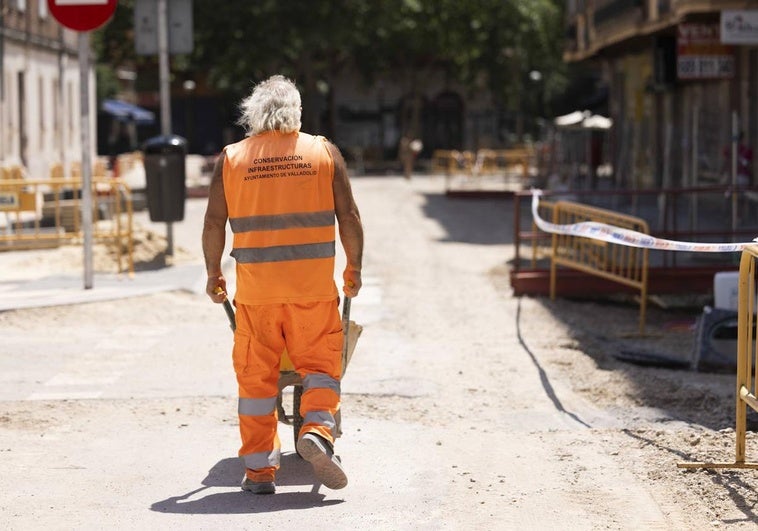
(535, 76)
(189, 87)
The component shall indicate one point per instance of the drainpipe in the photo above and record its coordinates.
(735, 150)
(60, 112)
(2, 80)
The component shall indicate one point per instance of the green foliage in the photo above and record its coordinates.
(107, 84)
(114, 43)
(491, 44)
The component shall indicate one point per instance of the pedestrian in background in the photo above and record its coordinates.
(744, 176)
(408, 151)
(281, 189)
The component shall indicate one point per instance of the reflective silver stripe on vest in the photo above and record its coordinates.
(262, 459)
(322, 418)
(256, 407)
(282, 253)
(320, 381)
(324, 218)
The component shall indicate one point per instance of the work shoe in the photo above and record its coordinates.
(258, 487)
(316, 450)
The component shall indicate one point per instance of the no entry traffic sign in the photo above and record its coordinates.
(82, 15)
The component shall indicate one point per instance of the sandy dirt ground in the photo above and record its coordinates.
(468, 408)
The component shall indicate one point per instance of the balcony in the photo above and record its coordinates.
(615, 10)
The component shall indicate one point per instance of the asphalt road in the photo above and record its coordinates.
(121, 413)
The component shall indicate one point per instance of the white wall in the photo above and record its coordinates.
(52, 120)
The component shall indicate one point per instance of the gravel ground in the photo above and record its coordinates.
(654, 411)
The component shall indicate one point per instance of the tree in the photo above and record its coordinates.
(239, 44)
(485, 44)
(114, 48)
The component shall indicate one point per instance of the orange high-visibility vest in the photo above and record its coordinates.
(280, 202)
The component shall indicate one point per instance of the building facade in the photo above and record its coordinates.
(366, 120)
(681, 88)
(40, 117)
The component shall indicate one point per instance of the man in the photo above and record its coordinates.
(280, 189)
(408, 151)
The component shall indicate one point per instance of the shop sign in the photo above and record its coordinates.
(739, 27)
(701, 54)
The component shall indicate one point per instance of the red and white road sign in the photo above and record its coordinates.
(82, 15)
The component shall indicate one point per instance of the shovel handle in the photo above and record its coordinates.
(229, 311)
(346, 309)
(345, 331)
(230, 314)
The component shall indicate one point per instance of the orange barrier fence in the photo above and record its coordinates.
(513, 165)
(747, 368)
(42, 213)
(619, 263)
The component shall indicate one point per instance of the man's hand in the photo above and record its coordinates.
(215, 287)
(353, 282)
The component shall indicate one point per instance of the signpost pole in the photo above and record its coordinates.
(86, 161)
(84, 16)
(165, 94)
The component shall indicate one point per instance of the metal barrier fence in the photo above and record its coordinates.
(616, 262)
(690, 214)
(542, 242)
(512, 168)
(747, 368)
(43, 213)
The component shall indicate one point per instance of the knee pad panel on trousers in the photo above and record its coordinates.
(256, 366)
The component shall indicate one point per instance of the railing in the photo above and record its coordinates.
(47, 212)
(747, 368)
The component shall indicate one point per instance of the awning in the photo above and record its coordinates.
(572, 119)
(597, 121)
(125, 112)
(583, 120)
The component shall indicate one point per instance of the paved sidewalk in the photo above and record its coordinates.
(32, 287)
(57, 290)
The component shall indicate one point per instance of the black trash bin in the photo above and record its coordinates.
(165, 177)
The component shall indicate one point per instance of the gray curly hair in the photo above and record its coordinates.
(273, 105)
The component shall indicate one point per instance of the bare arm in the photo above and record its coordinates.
(214, 234)
(350, 226)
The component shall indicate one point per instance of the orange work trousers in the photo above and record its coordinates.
(312, 334)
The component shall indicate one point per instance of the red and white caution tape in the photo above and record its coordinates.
(631, 238)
